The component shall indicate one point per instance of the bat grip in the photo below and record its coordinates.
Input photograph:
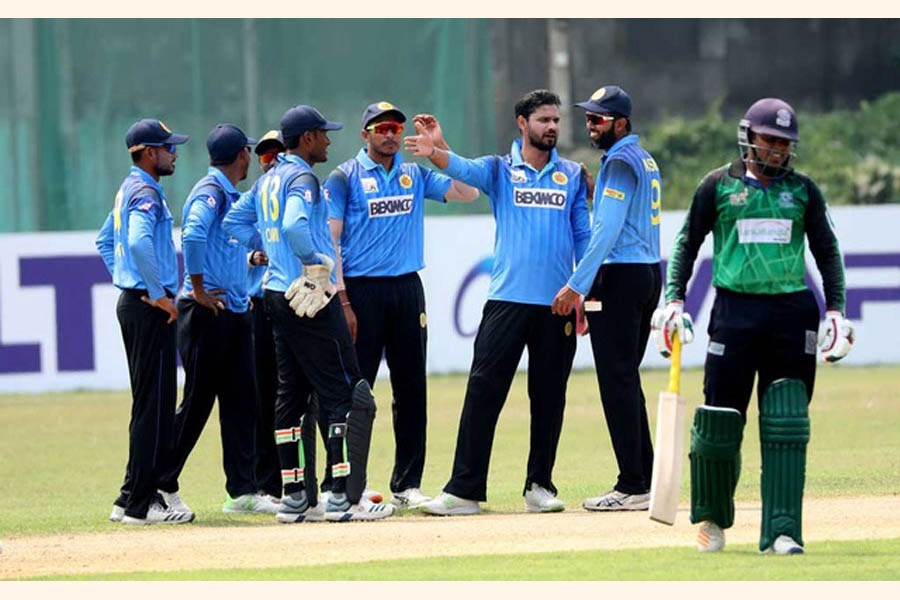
(675, 367)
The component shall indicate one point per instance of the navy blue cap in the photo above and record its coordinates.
(377, 109)
(151, 132)
(302, 118)
(772, 116)
(225, 142)
(610, 99)
(271, 141)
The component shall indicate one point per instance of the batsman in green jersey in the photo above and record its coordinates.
(763, 324)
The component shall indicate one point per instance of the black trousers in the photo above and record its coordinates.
(217, 355)
(773, 336)
(313, 355)
(268, 474)
(150, 349)
(506, 329)
(390, 312)
(619, 332)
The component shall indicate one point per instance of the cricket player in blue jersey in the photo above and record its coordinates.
(268, 472)
(377, 206)
(539, 203)
(621, 280)
(214, 335)
(136, 245)
(312, 341)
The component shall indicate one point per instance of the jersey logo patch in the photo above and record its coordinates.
(307, 196)
(517, 176)
(390, 206)
(786, 200)
(146, 206)
(613, 193)
(560, 178)
(406, 181)
(764, 231)
(738, 199)
(369, 184)
(539, 198)
(783, 117)
(211, 201)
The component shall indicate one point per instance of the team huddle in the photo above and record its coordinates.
(294, 291)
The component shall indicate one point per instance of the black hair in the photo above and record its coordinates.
(291, 142)
(532, 100)
(136, 156)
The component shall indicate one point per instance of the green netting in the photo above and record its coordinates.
(74, 87)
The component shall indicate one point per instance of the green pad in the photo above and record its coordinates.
(783, 435)
(715, 464)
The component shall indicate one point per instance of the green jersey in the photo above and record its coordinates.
(758, 236)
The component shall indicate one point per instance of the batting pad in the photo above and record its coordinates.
(359, 423)
(783, 436)
(715, 464)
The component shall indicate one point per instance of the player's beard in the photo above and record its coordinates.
(605, 140)
(544, 144)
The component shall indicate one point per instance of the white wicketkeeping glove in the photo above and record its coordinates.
(835, 336)
(668, 321)
(311, 292)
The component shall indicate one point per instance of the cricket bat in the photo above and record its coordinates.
(665, 487)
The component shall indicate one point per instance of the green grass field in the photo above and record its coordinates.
(62, 458)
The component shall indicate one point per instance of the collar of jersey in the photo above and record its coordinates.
(515, 154)
(136, 170)
(368, 164)
(293, 158)
(223, 181)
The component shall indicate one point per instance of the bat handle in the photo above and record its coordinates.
(675, 367)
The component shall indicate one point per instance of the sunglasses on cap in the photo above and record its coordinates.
(386, 127)
(594, 119)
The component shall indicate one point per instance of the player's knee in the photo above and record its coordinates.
(784, 413)
(362, 397)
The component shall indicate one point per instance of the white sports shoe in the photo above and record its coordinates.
(175, 502)
(784, 545)
(710, 537)
(542, 500)
(295, 508)
(161, 515)
(613, 500)
(339, 510)
(447, 504)
(249, 503)
(409, 498)
(118, 512)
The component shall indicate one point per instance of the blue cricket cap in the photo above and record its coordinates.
(376, 109)
(225, 142)
(302, 118)
(609, 99)
(151, 132)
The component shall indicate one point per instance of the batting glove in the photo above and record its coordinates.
(835, 336)
(668, 321)
(312, 291)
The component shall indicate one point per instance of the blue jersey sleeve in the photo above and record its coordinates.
(610, 209)
(337, 190)
(436, 184)
(240, 220)
(194, 234)
(581, 220)
(142, 218)
(296, 220)
(480, 172)
(106, 243)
